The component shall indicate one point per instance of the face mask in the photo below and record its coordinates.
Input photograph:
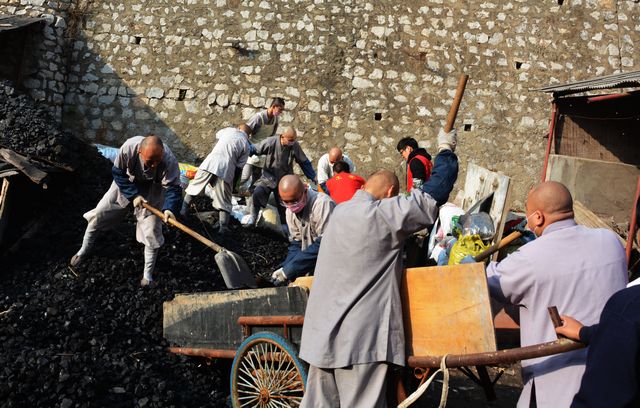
(299, 205)
(528, 227)
(276, 113)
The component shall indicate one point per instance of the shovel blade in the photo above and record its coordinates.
(235, 271)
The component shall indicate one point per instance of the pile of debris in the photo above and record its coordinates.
(91, 336)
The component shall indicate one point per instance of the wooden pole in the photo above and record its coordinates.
(453, 111)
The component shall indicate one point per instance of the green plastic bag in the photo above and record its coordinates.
(466, 245)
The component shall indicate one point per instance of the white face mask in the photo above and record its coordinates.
(528, 227)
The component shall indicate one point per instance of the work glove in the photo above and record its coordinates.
(447, 141)
(168, 215)
(138, 200)
(247, 220)
(278, 278)
(417, 183)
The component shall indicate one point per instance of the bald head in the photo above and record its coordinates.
(291, 188)
(335, 155)
(289, 136)
(243, 127)
(151, 151)
(547, 203)
(382, 184)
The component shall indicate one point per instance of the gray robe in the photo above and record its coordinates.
(278, 160)
(310, 223)
(574, 268)
(354, 313)
(230, 153)
(151, 185)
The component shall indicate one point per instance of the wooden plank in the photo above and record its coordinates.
(607, 189)
(481, 182)
(209, 320)
(447, 310)
(4, 207)
(588, 218)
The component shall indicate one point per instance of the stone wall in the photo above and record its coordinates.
(355, 74)
(45, 55)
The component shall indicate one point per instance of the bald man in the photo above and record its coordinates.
(215, 174)
(307, 215)
(353, 327)
(569, 266)
(144, 171)
(280, 153)
(326, 162)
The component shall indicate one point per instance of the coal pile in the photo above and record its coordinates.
(90, 336)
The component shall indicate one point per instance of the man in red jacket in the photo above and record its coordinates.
(343, 185)
(418, 162)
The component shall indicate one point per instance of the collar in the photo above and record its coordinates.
(362, 195)
(559, 225)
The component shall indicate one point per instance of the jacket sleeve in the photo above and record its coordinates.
(612, 361)
(443, 177)
(126, 186)
(302, 262)
(261, 148)
(307, 169)
(173, 190)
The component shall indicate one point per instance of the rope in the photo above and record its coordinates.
(445, 387)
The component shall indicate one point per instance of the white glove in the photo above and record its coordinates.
(247, 220)
(138, 200)
(278, 277)
(447, 141)
(168, 215)
(417, 183)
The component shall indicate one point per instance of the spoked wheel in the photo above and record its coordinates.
(267, 373)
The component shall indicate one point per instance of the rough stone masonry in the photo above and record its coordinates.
(355, 74)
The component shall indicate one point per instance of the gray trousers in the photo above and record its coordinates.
(356, 386)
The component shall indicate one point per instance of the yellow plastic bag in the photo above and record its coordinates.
(466, 245)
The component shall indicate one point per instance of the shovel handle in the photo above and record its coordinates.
(453, 111)
(184, 228)
(495, 247)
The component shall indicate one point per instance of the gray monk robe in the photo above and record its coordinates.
(354, 313)
(574, 268)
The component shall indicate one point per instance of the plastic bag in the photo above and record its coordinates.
(466, 245)
(478, 224)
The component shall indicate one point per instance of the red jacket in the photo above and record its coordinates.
(343, 186)
(419, 166)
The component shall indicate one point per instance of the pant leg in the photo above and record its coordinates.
(259, 199)
(321, 390)
(362, 385)
(300, 262)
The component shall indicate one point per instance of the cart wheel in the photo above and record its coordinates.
(266, 372)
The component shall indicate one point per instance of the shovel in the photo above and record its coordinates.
(234, 269)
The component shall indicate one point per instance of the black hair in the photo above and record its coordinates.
(277, 101)
(341, 166)
(407, 141)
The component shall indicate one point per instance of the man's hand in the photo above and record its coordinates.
(447, 141)
(138, 200)
(168, 215)
(570, 328)
(247, 220)
(278, 277)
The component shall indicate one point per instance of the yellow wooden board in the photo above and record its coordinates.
(447, 310)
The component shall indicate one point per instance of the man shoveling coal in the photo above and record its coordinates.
(144, 171)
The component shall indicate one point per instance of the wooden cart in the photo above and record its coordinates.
(446, 312)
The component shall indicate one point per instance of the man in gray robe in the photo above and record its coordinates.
(280, 152)
(569, 266)
(144, 171)
(307, 216)
(215, 174)
(353, 326)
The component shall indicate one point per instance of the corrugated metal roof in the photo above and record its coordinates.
(8, 23)
(624, 80)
